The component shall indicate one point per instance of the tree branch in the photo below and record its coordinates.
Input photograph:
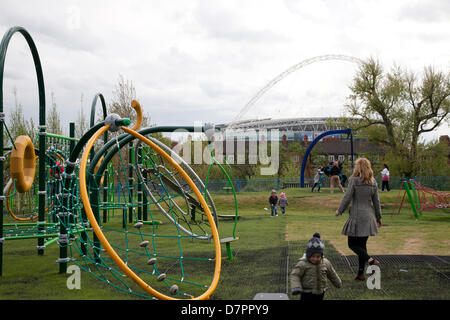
(422, 130)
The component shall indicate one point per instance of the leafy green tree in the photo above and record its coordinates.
(433, 158)
(397, 107)
(428, 100)
(284, 161)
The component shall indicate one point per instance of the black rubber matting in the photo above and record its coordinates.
(402, 276)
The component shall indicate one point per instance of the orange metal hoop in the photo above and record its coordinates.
(23, 163)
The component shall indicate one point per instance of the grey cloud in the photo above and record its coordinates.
(426, 11)
(215, 89)
(222, 23)
(51, 22)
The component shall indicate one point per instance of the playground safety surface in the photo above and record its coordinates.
(402, 276)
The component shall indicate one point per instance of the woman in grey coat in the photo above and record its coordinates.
(364, 214)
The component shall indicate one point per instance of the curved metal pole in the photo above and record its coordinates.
(126, 138)
(234, 192)
(94, 103)
(105, 114)
(327, 133)
(41, 89)
(228, 176)
(105, 140)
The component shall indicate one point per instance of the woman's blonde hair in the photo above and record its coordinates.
(363, 169)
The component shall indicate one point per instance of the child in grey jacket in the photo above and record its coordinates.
(309, 276)
(283, 202)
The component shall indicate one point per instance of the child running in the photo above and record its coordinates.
(318, 179)
(309, 276)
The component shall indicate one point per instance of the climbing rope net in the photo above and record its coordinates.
(22, 207)
(421, 198)
(430, 199)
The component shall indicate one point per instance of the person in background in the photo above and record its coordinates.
(318, 179)
(385, 178)
(283, 202)
(56, 172)
(343, 179)
(335, 171)
(273, 200)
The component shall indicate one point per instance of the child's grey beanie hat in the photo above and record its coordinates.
(315, 245)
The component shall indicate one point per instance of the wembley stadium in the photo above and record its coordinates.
(289, 129)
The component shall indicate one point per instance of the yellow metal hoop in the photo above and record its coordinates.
(105, 243)
(8, 207)
(96, 169)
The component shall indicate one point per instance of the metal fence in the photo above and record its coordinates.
(441, 183)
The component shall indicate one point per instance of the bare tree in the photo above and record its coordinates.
(123, 94)
(53, 118)
(81, 125)
(17, 124)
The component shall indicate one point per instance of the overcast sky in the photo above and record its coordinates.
(202, 61)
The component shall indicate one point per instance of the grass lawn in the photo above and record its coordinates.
(401, 234)
(266, 251)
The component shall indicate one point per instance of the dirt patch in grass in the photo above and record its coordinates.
(397, 238)
(447, 243)
(413, 245)
(326, 202)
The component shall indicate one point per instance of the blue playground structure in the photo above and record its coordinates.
(327, 133)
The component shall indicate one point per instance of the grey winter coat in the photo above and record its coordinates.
(313, 277)
(364, 210)
(283, 202)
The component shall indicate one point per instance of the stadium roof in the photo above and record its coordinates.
(288, 124)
